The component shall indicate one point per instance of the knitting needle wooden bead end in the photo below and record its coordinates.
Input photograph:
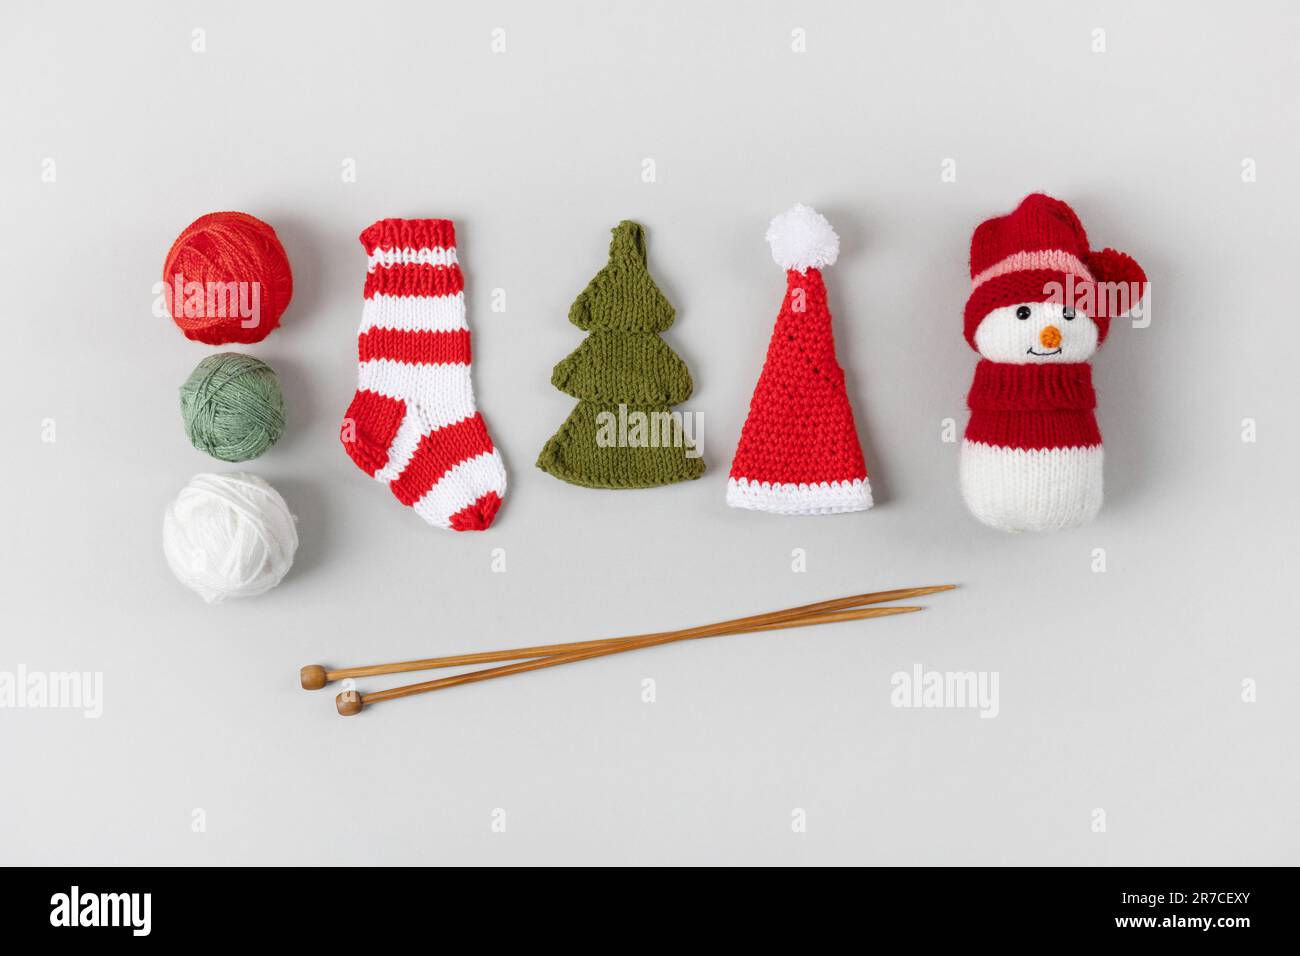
(348, 703)
(313, 677)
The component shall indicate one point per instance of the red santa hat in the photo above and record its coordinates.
(1039, 253)
(799, 450)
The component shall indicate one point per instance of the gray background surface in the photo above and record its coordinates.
(1119, 690)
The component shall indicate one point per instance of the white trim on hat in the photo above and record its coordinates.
(824, 498)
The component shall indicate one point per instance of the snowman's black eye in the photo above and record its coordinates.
(1022, 312)
(1068, 314)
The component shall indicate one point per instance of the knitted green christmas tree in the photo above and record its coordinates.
(624, 432)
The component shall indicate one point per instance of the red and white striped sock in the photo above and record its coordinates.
(413, 424)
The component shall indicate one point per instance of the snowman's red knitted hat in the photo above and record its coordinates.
(1039, 253)
(799, 450)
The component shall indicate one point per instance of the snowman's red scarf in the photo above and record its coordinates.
(1033, 406)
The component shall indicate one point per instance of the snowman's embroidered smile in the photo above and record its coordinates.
(1043, 354)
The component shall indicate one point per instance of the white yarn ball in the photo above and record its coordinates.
(229, 536)
(802, 238)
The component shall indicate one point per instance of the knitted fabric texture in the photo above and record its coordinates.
(1036, 254)
(413, 424)
(1032, 455)
(799, 452)
(623, 433)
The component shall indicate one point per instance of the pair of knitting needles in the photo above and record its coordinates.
(853, 608)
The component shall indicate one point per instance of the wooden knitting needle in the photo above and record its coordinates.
(351, 702)
(316, 676)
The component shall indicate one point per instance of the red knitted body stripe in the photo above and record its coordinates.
(1033, 406)
(414, 278)
(1034, 430)
(409, 234)
(439, 451)
(419, 347)
(1051, 385)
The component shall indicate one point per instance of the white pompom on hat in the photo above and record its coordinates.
(802, 239)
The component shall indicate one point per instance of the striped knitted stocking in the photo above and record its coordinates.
(412, 423)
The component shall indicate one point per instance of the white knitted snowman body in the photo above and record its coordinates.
(1032, 456)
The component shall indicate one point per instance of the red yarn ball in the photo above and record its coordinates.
(227, 279)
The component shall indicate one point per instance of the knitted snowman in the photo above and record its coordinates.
(1040, 306)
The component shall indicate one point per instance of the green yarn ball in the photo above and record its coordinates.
(232, 407)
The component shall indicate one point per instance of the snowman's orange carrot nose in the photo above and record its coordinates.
(1050, 337)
